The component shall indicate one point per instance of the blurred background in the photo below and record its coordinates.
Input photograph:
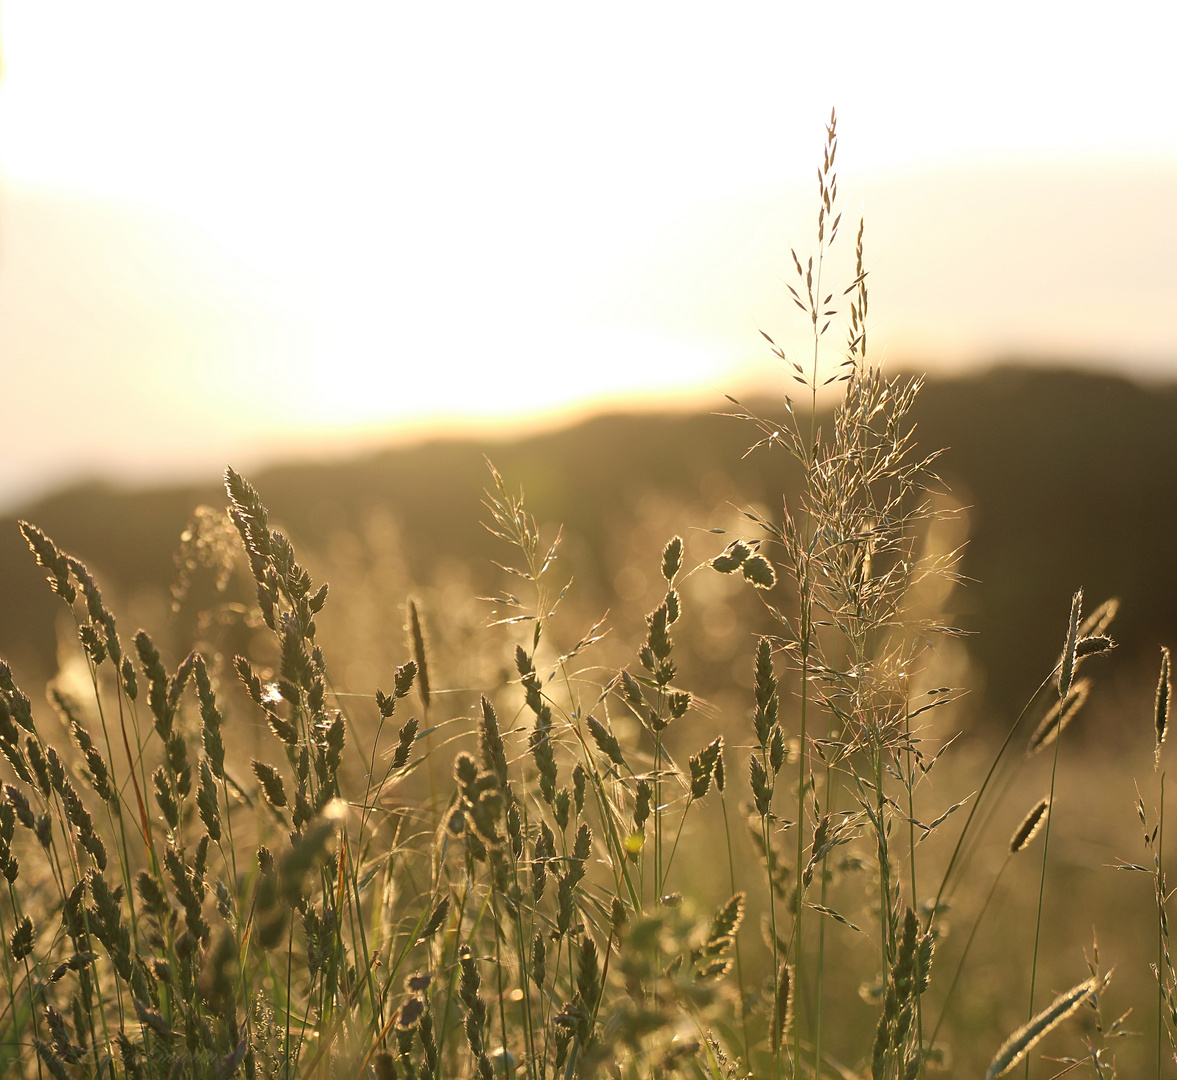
(316, 238)
(353, 248)
(255, 231)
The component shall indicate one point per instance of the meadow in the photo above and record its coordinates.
(400, 829)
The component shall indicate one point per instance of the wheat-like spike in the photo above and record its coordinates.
(420, 649)
(1019, 1044)
(1093, 645)
(1029, 827)
(1068, 668)
(783, 1020)
(1164, 692)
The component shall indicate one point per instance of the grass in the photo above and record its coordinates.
(234, 867)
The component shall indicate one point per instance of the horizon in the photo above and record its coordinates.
(488, 433)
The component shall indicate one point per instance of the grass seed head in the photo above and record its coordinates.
(1164, 693)
(420, 649)
(672, 558)
(1067, 671)
(1030, 826)
(1022, 1041)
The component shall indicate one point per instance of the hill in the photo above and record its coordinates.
(1070, 479)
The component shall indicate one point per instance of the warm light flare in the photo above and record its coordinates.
(230, 230)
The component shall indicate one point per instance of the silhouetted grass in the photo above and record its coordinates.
(238, 866)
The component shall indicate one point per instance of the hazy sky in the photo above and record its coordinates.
(235, 230)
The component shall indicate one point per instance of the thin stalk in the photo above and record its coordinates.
(678, 833)
(910, 784)
(980, 795)
(965, 952)
(658, 879)
(289, 964)
(731, 869)
(1042, 887)
(510, 1068)
(821, 928)
(884, 865)
(1160, 923)
(806, 615)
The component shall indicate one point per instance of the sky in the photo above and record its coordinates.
(238, 232)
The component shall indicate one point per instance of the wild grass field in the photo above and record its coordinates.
(400, 829)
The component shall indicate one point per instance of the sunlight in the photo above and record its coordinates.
(380, 217)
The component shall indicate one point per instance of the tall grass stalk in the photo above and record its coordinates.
(1066, 673)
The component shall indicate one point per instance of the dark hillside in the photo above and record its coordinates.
(1071, 479)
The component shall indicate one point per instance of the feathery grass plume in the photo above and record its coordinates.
(1029, 827)
(1068, 662)
(1022, 1041)
(1161, 715)
(1060, 714)
(420, 649)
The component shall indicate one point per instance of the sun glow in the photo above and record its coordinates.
(237, 229)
